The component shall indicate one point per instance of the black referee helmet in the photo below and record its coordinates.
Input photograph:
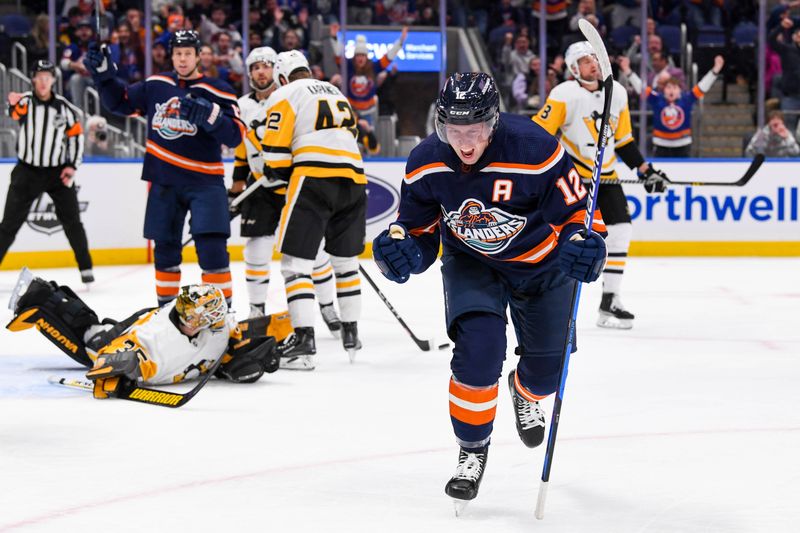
(43, 65)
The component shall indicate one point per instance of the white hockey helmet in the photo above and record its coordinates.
(574, 53)
(287, 63)
(262, 54)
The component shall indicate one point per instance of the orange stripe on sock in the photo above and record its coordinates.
(322, 273)
(472, 394)
(525, 393)
(216, 277)
(248, 272)
(167, 291)
(476, 418)
(162, 275)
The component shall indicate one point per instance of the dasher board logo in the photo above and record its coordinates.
(488, 231)
(42, 216)
(167, 120)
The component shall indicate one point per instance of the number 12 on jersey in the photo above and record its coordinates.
(573, 191)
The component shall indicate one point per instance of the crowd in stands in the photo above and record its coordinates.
(510, 29)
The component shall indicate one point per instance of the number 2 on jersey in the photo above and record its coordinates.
(574, 190)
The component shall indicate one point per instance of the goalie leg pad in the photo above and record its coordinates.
(247, 360)
(59, 314)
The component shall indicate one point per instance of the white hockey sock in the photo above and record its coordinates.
(257, 258)
(323, 279)
(618, 242)
(348, 287)
(299, 290)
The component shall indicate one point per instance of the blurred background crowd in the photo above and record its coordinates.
(682, 39)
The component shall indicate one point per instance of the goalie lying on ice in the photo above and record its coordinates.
(171, 344)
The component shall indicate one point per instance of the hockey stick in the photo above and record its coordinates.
(608, 85)
(424, 345)
(748, 175)
(145, 394)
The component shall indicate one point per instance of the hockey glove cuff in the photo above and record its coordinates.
(200, 111)
(583, 257)
(655, 181)
(98, 62)
(397, 257)
(114, 372)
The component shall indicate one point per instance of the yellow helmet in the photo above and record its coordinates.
(201, 306)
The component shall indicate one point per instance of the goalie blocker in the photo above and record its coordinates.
(119, 358)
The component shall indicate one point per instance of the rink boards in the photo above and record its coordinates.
(760, 219)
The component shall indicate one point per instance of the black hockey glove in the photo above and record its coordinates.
(200, 111)
(233, 210)
(98, 62)
(655, 181)
(396, 258)
(581, 257)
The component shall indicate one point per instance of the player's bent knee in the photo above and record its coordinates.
(480, 347)
(166, 255)
(291, 265)
(344, 264)
(539, 374)
(212, 251)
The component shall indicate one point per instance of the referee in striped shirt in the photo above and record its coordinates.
(49, 149)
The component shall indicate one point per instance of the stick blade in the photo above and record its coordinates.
(590, 32)
(540, 500)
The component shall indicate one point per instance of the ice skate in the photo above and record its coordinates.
(463, 486)
(528, 414)
(612, 313)
(87, 277)
(297, 350)
(331, 319)
(350, 339)
(256, 311)
(23, 282)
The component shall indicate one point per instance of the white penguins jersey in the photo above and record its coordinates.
(254, 115)
(165, 354)
(311, 132)
(577, 112)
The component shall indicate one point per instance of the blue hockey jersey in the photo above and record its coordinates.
(178, 152)
(508, 210)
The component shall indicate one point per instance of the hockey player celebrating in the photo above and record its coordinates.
(189, 117)
(310, 142)
(575, 107)
(170, 344)
(261, 210)
(506, 203)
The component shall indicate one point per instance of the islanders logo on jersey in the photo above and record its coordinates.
(167, 120)
(488, 231)
(672, 117)
(361, 86)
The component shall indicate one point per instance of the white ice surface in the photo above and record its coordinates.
(689, 422)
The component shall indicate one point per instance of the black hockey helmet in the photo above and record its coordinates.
(43, 65)
(184, 38)
(467, 98)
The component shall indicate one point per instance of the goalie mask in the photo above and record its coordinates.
(201, 306)
(468, 99)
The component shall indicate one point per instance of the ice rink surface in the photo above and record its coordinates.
(690, 422)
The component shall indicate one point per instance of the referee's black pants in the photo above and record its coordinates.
(27, 184)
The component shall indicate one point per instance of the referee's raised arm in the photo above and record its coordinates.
(49, 150)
